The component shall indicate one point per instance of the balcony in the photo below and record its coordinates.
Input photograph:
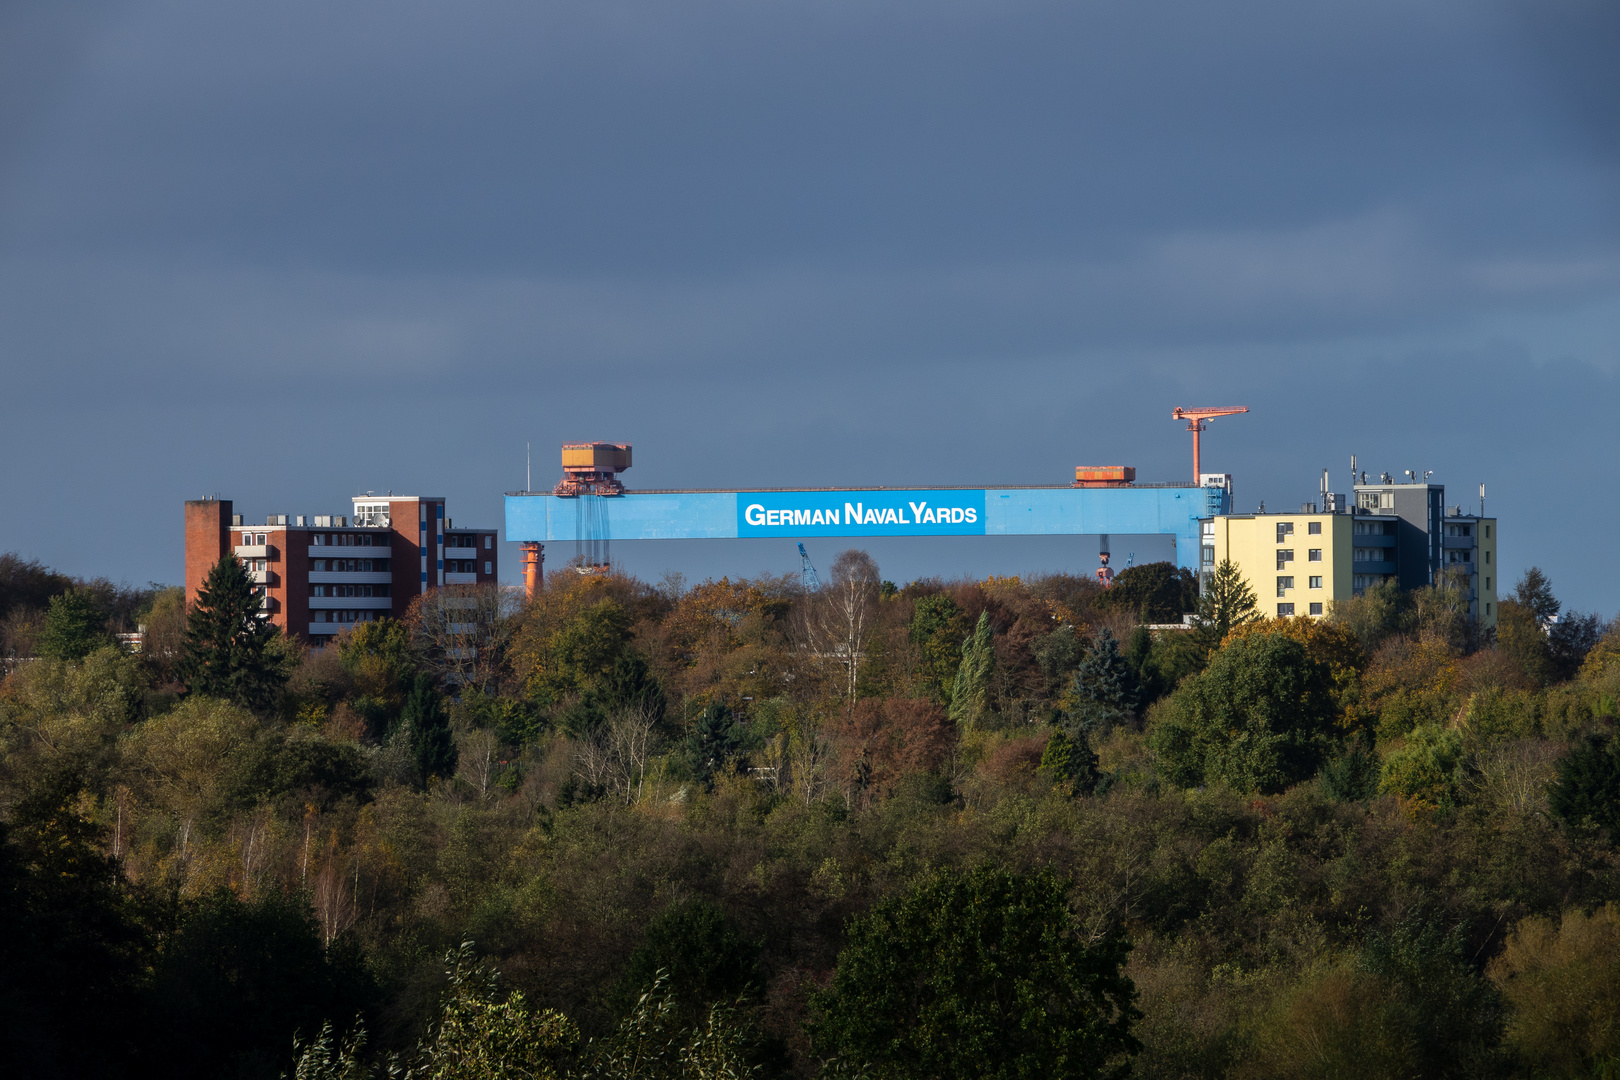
(345, 577)
(255, 551)
(352, 603)
(264, 577)
(461, 579)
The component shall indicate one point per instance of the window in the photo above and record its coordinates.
(1316, 609)
(489, 567)
(1487, 583)
(1205, 528)
(1314, 555)
(1283, 585)
(1284, 557)
(1209, 555)
(1314, 528)
(319, 540)
(259, 538)
(489, 542)
(317, 590)
(1487, 558)
(1487, 607)
(372, 515)
(1284, 610)
(1487, 532)
(1316, 582)
(1285, 529)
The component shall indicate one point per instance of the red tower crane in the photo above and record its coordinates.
(1196, 422)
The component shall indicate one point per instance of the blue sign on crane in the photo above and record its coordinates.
(1165, 509)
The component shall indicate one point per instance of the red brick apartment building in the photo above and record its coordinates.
(322, 574)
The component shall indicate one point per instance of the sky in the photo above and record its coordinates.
(286, 253)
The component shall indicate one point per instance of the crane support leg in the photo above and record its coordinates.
(534, 567)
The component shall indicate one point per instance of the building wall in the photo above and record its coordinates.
(207, 538)
(1253, 545)
(1490, 585)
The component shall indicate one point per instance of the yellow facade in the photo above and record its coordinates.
(1479, 561)
(1297, 564)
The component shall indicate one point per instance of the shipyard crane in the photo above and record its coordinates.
(1196, 422)
(807, 571)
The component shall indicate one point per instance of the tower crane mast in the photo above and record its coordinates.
(807, 571)
(1197, 420)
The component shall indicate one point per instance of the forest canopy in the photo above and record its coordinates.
(1009, 827)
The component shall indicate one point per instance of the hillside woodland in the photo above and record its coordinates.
(994, 828)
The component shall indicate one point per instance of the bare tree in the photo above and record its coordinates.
(461, 632)
(475, 758)
(838, 618)
(809, 755)
(630, 739)
(593, 760)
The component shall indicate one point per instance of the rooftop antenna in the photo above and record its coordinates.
(528, 474)
(1482, 499)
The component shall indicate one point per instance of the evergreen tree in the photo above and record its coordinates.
(937, 626)
(1227, 601)
(228, 643)
(1070, 761)
(970, 696)
(1588, 784)
(1352, 776)
(714, 740)
(75, 626)
(427, 728)
(1534, 591)
(1104, 691)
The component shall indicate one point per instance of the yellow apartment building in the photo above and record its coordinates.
(1301, 563)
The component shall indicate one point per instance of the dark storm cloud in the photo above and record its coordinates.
(368, 244)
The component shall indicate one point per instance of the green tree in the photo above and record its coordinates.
(75, 626)
(978, 974)
(1426, 768)
(1103, 692)
(1070, 761)
(937, 627)
(1258, 718)
(229, 652)
(241, 979)
(1534, 592)
(715, 739)
(77, 944)
(970, 694)
(1352, 774)
(481, 1034)
(1226, 601)
(426, 727)
(1156, 592)
(1520, 635)
(1380, 612)
(700, 953)
(1057, 655)
(1587, 788)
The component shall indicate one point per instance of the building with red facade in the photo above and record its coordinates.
(322, 574)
